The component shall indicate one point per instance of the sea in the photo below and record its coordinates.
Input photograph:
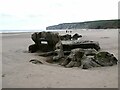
(17, 31)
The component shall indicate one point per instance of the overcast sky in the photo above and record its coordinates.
(38, 14)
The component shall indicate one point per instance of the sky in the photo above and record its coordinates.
(38, 14)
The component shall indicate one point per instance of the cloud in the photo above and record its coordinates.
(5, 15)
(35, 16)
(41, 13)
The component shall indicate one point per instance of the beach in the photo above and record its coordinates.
(18, 72)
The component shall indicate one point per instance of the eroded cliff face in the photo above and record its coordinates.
(101, 24)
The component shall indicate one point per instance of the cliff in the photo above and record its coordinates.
(101, 24)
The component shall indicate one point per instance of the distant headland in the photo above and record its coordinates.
(99, 24)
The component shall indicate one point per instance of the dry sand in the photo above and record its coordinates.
(18, 72)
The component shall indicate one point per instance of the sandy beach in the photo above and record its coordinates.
(18, 72)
